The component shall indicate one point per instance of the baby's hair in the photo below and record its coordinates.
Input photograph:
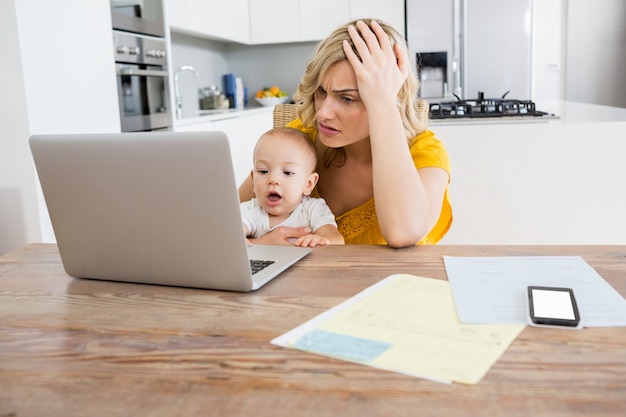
(296, 135)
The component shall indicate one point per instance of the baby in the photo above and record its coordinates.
(284, 176)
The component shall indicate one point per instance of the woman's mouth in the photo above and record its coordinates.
(327, 130)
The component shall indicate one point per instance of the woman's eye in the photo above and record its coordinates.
(347, 99)
(320, 91)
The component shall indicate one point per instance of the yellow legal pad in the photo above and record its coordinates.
(407, 324)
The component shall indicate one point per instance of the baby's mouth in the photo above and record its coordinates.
(273, 197)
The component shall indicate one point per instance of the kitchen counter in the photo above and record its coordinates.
(203, 116)
(574, 112)
(558, 182)
(561, 111)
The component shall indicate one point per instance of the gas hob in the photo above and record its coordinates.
(486, 108)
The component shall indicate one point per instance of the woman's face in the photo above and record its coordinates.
(340, 114)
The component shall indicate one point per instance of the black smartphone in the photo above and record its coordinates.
(553, 306)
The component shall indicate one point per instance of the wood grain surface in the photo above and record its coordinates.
(74, 347)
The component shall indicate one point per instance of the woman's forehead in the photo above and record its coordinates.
(339, 76)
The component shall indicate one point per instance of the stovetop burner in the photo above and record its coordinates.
(485, 107)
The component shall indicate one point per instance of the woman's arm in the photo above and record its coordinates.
(246, 190)
(408, 201)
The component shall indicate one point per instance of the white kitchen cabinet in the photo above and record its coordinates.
(284, 21)
(319, 18)
(231, 19)
(274, 21)
(214, 19)
(243, 131)
(260, 22)
(389, 11)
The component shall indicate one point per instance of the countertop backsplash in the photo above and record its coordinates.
(258, 65)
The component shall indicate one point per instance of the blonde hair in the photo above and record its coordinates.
(329, 52)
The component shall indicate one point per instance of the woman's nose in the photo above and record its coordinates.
(325, 108)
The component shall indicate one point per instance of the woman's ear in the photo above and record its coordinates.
(310, 183)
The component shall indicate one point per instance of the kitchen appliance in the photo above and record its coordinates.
(460, 47)
(138, 16)
(483, 108)
(142, 82)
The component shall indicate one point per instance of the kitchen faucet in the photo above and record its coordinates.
(179, 102)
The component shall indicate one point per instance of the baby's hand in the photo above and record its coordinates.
(311, 240)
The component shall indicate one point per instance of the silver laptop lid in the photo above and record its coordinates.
(148, 207)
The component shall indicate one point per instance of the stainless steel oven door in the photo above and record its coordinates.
(144, 97)
(138, 16)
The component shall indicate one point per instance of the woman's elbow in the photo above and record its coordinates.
(407, 236)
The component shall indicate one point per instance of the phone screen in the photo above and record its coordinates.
(553, 306)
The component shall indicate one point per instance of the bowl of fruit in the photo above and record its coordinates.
(271, 96)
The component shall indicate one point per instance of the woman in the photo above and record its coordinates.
(382, 173)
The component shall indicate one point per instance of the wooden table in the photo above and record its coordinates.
(72, 347)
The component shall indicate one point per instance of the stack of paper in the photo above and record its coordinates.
(406, 324)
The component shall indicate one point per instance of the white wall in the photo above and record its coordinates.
(596, 52)
(548, 50)
(57, 76)
(17, 177)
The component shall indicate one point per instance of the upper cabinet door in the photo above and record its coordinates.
(274, 21)
(389, 11)
(231, 20)
(214, 19)
(320, 17)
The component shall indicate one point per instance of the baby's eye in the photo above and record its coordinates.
(288, 172)
(261, 171)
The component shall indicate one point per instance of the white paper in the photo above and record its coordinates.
(493, 290)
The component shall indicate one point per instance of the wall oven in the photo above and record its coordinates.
(138, 16)
(142, 82)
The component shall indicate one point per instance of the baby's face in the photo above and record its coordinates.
(283, 173)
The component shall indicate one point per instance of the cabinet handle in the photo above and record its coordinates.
(147, 73)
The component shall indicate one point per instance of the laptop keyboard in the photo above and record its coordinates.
(257, 265)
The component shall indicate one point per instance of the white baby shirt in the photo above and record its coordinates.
(311, 212)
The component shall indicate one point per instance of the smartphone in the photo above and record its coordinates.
(552, 306)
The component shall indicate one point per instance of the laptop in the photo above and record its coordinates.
(151, 207)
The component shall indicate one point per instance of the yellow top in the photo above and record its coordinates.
(360, 225)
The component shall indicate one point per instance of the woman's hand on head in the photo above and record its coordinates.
(382, 69)
(281, 236)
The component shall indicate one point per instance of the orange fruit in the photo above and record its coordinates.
(274, 90)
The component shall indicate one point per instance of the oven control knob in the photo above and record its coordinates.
(134, 50)
(155, 53)
(122, 49)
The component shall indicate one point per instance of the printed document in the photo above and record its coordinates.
(493, 290)
(406, 324)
